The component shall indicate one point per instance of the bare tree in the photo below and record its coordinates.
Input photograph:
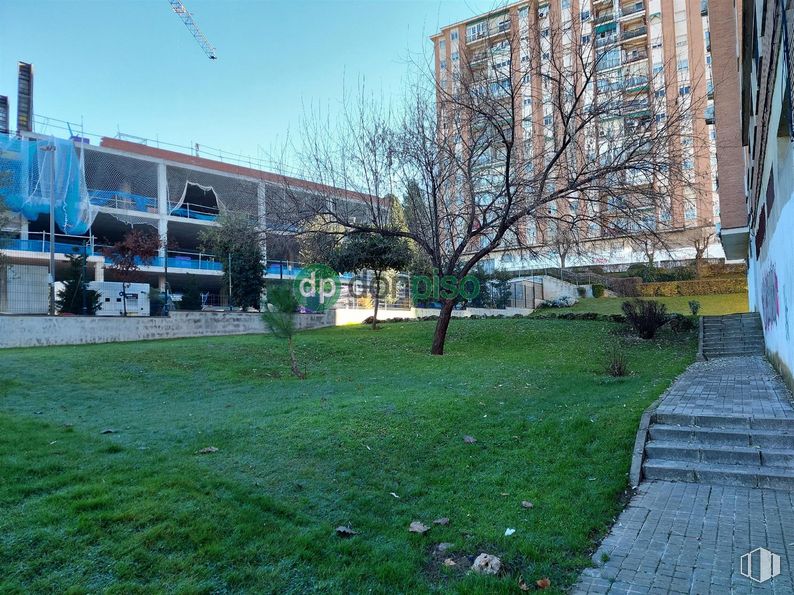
(533, 126)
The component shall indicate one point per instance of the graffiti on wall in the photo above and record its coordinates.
(770, 304)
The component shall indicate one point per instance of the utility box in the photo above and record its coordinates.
(111, 298)
(24, 289)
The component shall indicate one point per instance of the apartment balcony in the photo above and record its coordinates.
(636, 108)
(605, 41)
(704, 7)
(634, 56)
(632, 11)
(709, 114)
(606, 17)
(634, 33)
(635, 84)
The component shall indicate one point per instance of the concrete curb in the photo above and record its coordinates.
(638, 454)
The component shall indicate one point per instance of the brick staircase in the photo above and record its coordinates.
(731, 423)
(738, 451)
(732, 335)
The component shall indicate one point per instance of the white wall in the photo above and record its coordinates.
(31, 331)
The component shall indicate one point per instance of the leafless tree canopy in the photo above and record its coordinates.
(533, 133)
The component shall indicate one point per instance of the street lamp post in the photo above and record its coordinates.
(51, 149)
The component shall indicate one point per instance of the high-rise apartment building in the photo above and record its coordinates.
(657, 53)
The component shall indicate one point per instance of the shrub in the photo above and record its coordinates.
(626, 287)
(616, 363)
(696, 287)
(680, 323)
(191, 297)
(694, 307)
(565, 301)
(598, 290)
(581, 291)
(645, 316)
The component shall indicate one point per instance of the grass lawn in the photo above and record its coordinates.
(710, 305)
(137, 510)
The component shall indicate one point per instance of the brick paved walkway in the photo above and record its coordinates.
(689, 537)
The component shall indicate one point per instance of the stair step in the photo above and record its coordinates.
(735, 475)
(743, 422)
(722, 436)
(721, 455)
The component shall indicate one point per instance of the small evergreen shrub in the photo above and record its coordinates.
(694, 307)
(645, 316)
(598, 290)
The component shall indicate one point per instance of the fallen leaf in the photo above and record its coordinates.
(543, 583)
(108, 431)
(207, 450)
(469, 439)
(509, 532)
(442, 521)
(343, 531)
(450, 562)
(522, 584)
(418, 527)
(526, 504)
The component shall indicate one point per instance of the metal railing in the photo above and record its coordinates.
(636, 32)
(197, 212)
(122, 200)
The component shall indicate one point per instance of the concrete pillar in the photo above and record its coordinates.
(99, 271)
(161, 282)
(261, 203)
(24, 228)
(162, 205)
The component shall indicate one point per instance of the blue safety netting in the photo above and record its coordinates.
(36, 172)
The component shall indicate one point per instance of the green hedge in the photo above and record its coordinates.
(694, 287)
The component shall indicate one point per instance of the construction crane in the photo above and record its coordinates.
(187, 18)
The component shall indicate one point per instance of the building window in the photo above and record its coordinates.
(585, 39)
(442, 45)
(443, 64)
(454, 56)
(566, 3)
(683, 64)
(683, 91)
(454, 36)
(547, 120)
(585, 15)
(544, 32)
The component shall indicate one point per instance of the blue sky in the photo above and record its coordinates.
(133, 66)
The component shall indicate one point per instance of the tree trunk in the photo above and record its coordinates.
(293, 361)
(377, 295)
(440, 335)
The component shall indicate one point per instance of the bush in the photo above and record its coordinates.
(626, 287)
(616, 364)
(565, 301)
(694, 307)
(695, 287)
(598, 290)
(581, 291)
(191, 296)
(681, 324)
(645, 316)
